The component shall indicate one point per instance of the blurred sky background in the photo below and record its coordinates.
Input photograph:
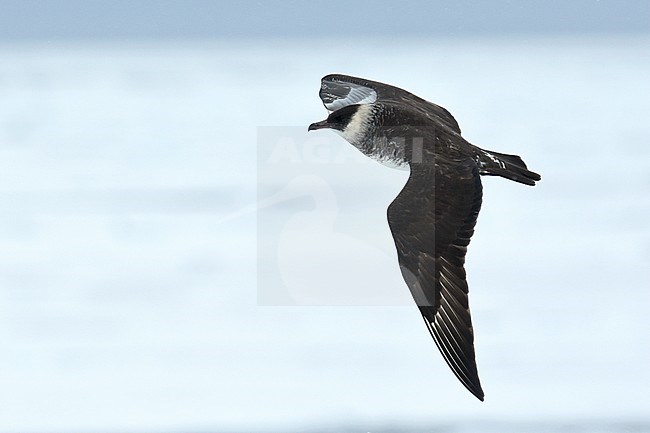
(177, 254)
(156, 19)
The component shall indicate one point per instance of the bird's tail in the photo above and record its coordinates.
(509, 166)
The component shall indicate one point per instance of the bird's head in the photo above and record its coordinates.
(351, 121)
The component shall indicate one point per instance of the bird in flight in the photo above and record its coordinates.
(432, 219)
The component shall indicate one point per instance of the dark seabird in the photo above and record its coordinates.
(433, 217)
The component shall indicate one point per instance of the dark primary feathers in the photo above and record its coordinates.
(431, 237)
(432, 219)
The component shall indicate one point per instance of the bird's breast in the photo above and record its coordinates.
(390, 152)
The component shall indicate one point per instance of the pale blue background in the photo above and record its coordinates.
(130, 169)
(154, 19)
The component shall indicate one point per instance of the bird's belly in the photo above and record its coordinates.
(388, 154)
(390, 162)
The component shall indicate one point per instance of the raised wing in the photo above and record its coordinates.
(338, 91)
(432, 221)
(336, 94)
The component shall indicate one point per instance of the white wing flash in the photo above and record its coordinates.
(337, 95)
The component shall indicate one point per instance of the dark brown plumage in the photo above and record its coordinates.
(432, 219)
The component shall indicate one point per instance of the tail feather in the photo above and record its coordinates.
(509, 166)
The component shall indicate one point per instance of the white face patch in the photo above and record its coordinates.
(355, 131)
(357, 95)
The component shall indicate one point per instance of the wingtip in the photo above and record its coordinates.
(476, 390)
